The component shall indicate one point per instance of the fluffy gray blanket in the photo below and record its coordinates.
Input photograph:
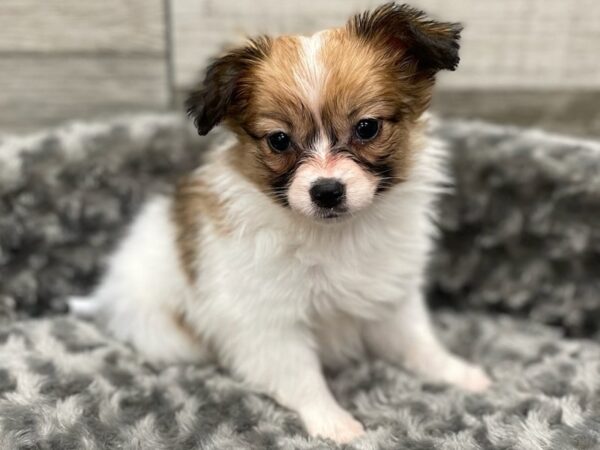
(515, 285)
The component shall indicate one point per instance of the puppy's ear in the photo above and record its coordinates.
(225, 85)
(432, 45)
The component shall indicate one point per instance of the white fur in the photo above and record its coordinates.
(282, 294)
(310, 74)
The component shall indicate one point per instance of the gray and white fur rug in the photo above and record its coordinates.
(515, 286)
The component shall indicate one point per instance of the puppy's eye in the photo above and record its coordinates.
(366, 129)
(279, 141)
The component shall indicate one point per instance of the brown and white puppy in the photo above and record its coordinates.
(303, 242)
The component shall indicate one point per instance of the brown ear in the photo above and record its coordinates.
(432, 45)
(223, 85)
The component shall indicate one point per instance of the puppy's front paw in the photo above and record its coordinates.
(338, 426)
(467, 376)
(475, 379)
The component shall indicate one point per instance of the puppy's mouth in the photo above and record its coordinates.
(329, 215)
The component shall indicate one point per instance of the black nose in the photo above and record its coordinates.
(327, 192)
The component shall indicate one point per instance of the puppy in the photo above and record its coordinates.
(302, 242)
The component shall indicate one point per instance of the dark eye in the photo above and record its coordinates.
(366, 129)
(279, 141)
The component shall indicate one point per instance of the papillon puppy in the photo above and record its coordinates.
(302, 243)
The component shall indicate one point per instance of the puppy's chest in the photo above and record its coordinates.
(339, 277)
(272, 271)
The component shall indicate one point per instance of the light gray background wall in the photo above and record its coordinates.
(533, 44)
(63, 59)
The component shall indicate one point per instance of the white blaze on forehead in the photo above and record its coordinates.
(321, 146)
(310, 74)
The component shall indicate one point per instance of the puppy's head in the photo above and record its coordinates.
(326, 122)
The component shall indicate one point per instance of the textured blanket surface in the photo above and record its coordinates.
(64, 385)
(515, 279)
(521, 233)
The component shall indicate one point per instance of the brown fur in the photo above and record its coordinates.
(425, 44)
(225, 89)
(183, 326)
(370, 85)
(275, 104)
(193, 201)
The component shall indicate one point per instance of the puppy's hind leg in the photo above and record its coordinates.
(161, 336)
(143, 294)
(159, 333)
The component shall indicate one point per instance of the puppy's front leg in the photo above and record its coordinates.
(283, 364)
(407, 335)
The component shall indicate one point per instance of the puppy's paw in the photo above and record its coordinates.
(467, 376)
(475, 379)
(339, 426)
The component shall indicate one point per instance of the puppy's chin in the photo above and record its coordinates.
(335, 215)
(325, 216)
(330, 215)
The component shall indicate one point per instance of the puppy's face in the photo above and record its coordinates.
(326, 122)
